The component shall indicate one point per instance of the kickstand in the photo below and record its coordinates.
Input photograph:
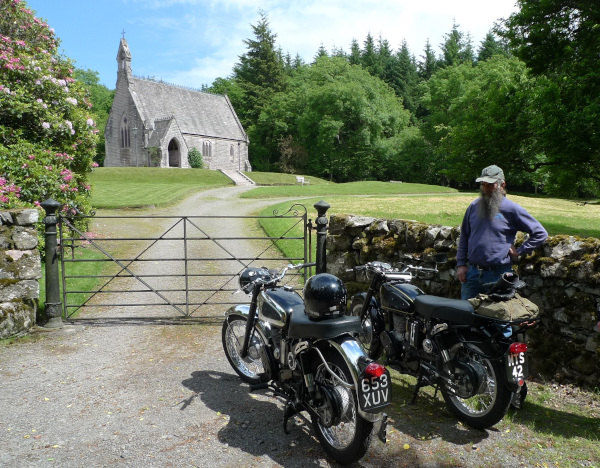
(437, 387)
(289, 411)
(419, 384)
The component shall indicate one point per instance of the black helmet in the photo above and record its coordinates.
(251, 274)
(325, 296)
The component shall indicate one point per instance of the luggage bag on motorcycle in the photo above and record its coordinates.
(517, 308)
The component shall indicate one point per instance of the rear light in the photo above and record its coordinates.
(517, 348)
(374, 369)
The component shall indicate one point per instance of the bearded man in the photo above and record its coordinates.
(489, 228)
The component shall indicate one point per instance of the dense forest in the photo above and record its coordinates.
(526, 98)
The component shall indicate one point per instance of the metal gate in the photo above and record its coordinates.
(192, 264)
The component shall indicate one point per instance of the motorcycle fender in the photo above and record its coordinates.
(243, 310)
(351, 350)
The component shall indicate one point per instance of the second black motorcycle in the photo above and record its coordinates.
(477, 362)
(305, 350)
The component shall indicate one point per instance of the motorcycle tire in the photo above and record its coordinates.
(347, 441)
(371, 343)
(248, 368)
(489, 407)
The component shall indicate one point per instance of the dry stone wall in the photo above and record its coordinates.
(20, 270)
(562, 276)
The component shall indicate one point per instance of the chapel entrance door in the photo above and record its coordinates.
(174, 155)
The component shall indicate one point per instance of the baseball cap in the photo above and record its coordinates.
(491, 175)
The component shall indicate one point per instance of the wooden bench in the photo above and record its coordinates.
(301, 180)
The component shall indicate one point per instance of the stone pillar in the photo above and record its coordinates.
(321, 222)
(20, 270)
(53, 303)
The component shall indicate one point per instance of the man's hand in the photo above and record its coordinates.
(513, 252)
(461, 273)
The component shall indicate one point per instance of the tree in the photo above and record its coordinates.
(559, 40)
(47, 132)
(335, 120)
(369, 58)
(321, 52)
(259, 73)
(195, 158)
(489, 47)
(429, 63)
(456, 49)
(354, 56)
(101, 98)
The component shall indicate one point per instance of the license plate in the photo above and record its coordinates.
(375, 392)
(517, 367)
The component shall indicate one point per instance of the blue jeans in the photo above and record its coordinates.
(476, 279)
(474, 285)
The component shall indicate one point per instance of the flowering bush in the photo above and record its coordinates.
(47, 134)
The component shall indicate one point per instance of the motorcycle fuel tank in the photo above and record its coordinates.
(276, 305)
(399, 297)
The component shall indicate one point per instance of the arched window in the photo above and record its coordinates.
(125, 135)
(231, 153)
(207, 149)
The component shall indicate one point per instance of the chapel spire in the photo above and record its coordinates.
(124, 60)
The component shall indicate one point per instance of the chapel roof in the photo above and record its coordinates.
(160, 130)
(196, 112)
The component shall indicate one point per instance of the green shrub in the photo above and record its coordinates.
(47, 134)
(195, 158)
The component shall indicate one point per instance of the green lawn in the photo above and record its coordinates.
(277, 178)
(134, 187)
(350, 188)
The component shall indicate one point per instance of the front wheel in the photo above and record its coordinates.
(368, 338)
(492, 400)
(348, 439)
(250, 367)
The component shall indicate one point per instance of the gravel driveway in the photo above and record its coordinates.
(145, 387)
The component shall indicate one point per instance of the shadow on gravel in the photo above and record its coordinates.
(558, 423)
(253, 425)
(145, 321)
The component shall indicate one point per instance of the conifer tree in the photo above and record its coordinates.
(489, 47)
(452, 47)
(321, 52)
(354, 55)
(429, 63)
(259, 73)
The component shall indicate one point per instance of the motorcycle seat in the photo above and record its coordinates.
(302, 326)
(452, 310)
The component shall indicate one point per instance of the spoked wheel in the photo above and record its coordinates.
(367, 338)
(492, 400)
(343, 433)
(251, 366)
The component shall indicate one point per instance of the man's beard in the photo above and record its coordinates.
(489, 205)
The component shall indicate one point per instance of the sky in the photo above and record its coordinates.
(192, 42)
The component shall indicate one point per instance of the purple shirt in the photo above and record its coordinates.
(486, 243)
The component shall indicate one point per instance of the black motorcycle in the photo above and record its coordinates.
(476, 362)
(306, 352)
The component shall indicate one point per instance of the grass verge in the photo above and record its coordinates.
(277, 178)
(351, 188)
(137, 187)
(88, 283)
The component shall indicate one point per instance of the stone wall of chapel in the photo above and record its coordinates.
(123, 105)
(221, 158)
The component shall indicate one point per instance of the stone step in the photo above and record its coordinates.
(237, 177)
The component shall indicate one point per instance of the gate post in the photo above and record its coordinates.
(53, 303)
(321, 222)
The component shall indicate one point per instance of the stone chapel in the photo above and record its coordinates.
(156, 124)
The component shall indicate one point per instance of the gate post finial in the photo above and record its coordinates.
(321, 222)
(53, 303)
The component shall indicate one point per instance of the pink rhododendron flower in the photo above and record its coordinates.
(94, 164)
(24, 166)
(45, 125)
(31, 156)
(90, 122)
(37, 203)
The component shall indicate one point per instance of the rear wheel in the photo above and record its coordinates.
(348, 439)
(251, 366)
(368, 337)
(492, 400)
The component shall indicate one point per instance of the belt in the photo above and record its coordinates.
(488, 268)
